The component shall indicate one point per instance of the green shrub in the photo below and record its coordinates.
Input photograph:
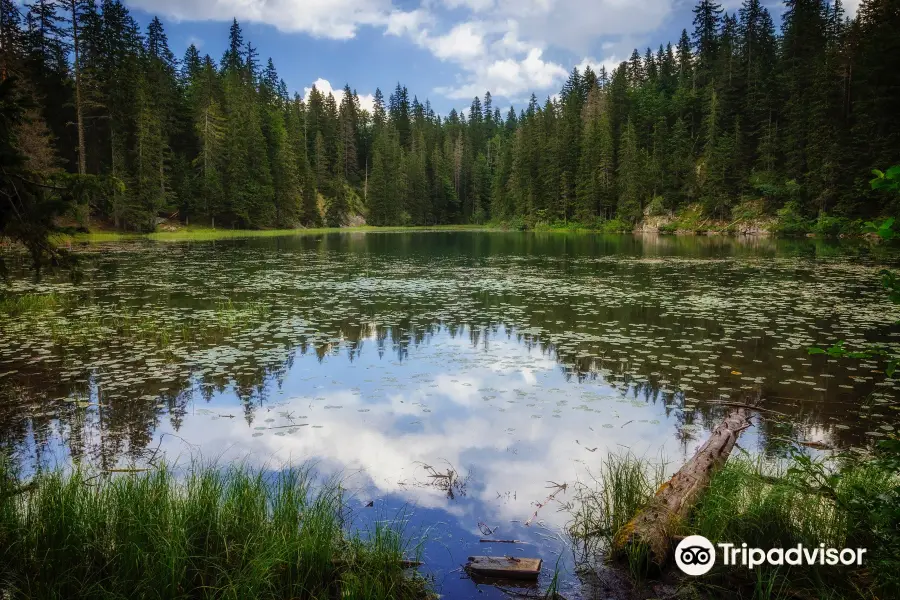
(748, 210)
(615, 225)
(835, 226)
(657, 207)
(790, 220)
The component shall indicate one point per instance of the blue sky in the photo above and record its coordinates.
(445, 50)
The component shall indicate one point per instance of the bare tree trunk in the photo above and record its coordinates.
(655, 524)
(115, 172)
(82, 153)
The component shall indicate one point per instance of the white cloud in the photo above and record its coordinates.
(490, 53)
(473, 5)
(366, 101)
(499, 45)
(462, 43)
(575, 24)
(411, 23)
(509, 78)
(337, 19)
(610, 63)
(384, 454)
(510, 42)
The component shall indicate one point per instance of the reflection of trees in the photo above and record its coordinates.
(343, 287)
(122, 426)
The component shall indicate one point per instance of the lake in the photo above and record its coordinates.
(455, 379)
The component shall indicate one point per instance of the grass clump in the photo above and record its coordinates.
(604, 505)
(843, 502)
(29, 304)
(846, 501)
(232, 533)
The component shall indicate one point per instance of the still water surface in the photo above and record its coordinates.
(514, 360)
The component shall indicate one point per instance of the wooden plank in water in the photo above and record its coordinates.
(508, 567)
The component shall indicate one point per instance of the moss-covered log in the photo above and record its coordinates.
(652, 529)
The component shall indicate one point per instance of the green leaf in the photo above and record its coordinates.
(837, 349)
(815, 350)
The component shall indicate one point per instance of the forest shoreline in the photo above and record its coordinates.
(650, 227)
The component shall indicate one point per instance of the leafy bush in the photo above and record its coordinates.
(834, 226)
(616, 225)
(669, 227)
(657, 207)
(747, 210)
(791, 220)
(888, 181)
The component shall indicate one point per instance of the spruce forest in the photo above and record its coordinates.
(790, 116)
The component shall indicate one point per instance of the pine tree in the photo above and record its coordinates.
(285, 179)
(336, 214)
(734, 111)
(382, 190)
(631, 173)
(349, 123)
(149, 184)
(12, 40)
(209, 129)
(596, 180)
(707, 22)
(682, 174)
(417, 181)
(398, 112)
(75, 11)
(573, 98)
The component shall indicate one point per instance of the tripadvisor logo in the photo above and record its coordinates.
(695, 555)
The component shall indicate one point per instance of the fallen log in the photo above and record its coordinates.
(653, 528)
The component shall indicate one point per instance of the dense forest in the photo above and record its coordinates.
(791, 118)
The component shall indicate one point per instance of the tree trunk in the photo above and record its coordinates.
(82, 158)
(655, 524)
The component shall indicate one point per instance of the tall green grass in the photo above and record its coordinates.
(810, 502)
(218, 533)
(767, 504)
(623, 484)
(29, 304)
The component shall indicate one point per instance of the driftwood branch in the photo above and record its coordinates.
(22, 489)
(655, 526)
